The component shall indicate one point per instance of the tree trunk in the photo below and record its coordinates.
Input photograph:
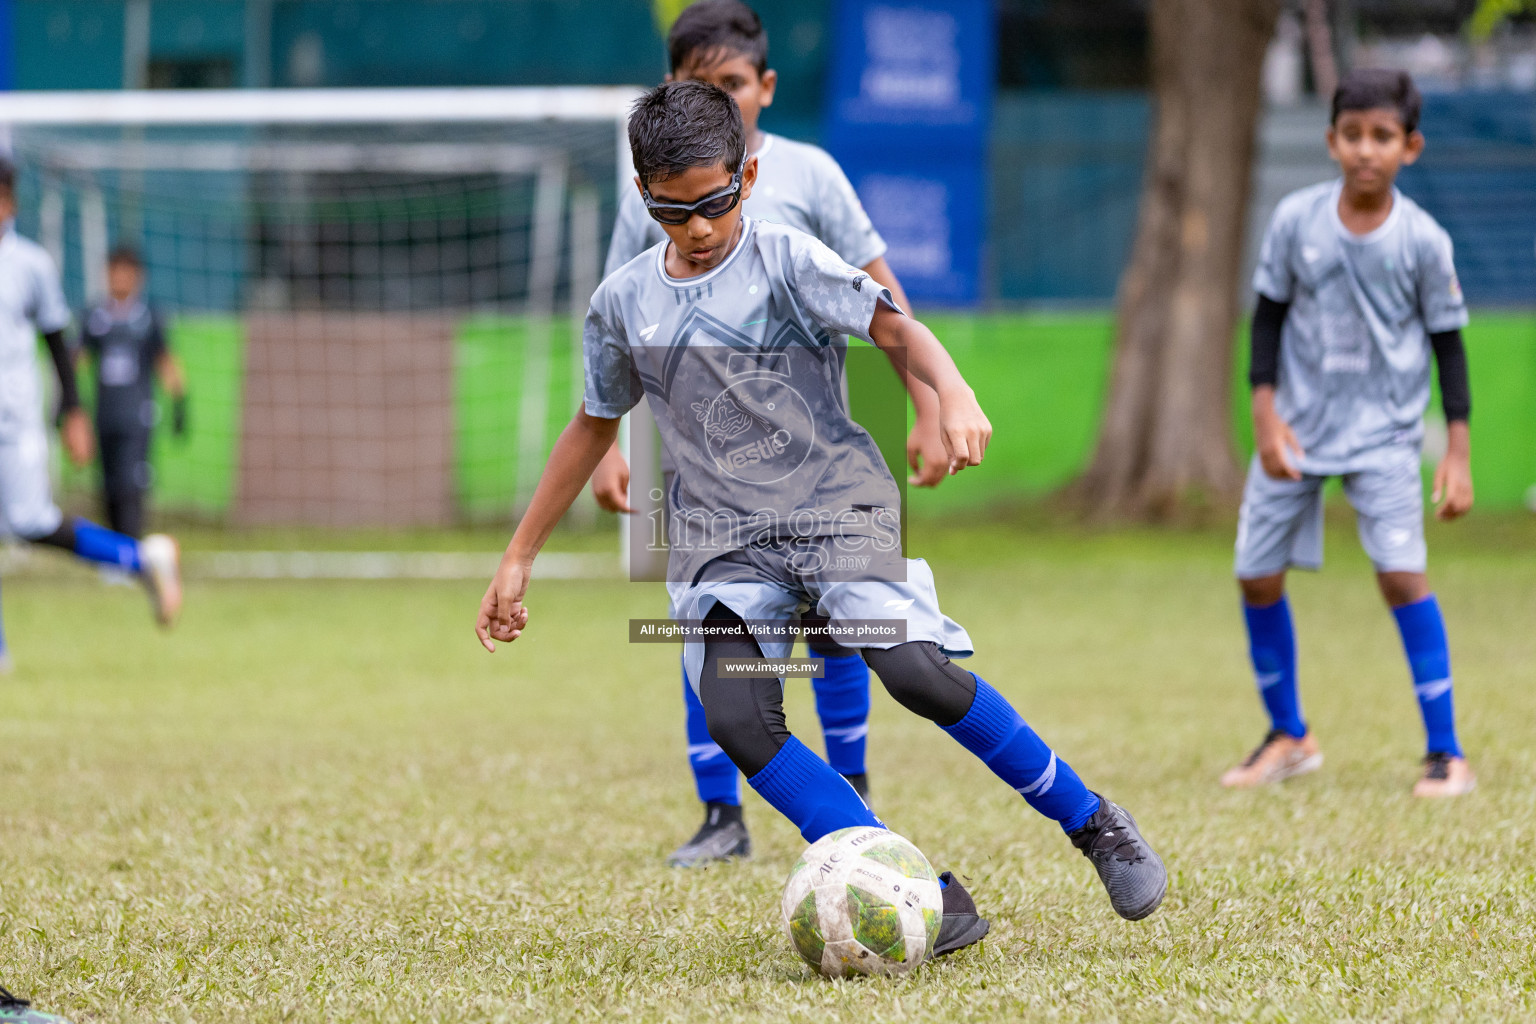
(1165, 445)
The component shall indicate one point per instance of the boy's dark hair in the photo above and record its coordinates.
(125, 255)
(7, 178)
(717, 28)
(679, 125)
(1372, 88)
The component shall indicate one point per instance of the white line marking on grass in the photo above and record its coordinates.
(384, 565)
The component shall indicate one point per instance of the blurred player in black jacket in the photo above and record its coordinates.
(126, 339)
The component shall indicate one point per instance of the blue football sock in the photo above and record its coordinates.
(1272, 649)
(714, 776)
(1429, 657)
(842, 704)
(99, 544)
(805, 789)
(994, 732)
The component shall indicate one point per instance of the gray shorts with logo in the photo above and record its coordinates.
(1281, 523)
(761, 583)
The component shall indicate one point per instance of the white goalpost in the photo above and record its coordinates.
(378, 292)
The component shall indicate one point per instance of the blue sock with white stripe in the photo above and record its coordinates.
(714, 776)
(994, 732)
(99, 544)
(1272, 649)
(842, 704)
(805, 789)
(1429, 657)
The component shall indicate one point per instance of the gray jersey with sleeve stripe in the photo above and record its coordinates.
(798, 185)
(743, 370)
(31, 301)
(1354, 352)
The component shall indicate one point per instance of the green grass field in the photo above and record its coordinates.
(323, 802)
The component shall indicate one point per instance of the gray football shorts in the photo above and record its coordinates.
(1280, 526)
(26, 493)
(759, 583)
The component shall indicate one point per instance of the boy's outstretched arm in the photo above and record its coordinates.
(963, 427)
(580, 447)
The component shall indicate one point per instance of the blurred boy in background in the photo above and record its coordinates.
(126, 340)
(1357, 296)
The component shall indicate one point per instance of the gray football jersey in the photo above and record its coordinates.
(743, 370)
(797, 185)
(1355, 353)
(31, 300)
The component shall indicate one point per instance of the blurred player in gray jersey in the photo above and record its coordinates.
(722, 42)
(126, 339)
(1357, 289)
(32, 302)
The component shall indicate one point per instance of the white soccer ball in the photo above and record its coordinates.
(862, 901)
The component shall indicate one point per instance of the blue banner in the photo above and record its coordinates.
(908, 114)
(930, 212)
(7, 44)
(912, 64)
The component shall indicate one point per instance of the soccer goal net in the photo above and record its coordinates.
(376, 294)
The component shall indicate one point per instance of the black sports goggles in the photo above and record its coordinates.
(716, 204)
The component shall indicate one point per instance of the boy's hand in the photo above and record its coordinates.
(1279, 451)
(1277, 444)
(502, 614)
(610, 482)
(926, 453)
(963, 427)
(76, 432)
(1452, 494)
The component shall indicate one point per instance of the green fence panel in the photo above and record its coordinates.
(1041, 379)
(1501, 358)
(489, 368)
(196, 473)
